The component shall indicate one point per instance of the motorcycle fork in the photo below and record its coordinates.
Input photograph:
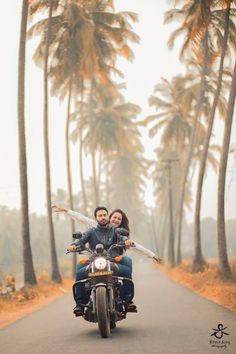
(111, 299)
(93, 296)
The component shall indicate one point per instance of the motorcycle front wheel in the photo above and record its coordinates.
(102, 312)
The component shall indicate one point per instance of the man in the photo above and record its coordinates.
(106, 235)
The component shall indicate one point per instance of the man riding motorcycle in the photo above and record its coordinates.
(106, 235)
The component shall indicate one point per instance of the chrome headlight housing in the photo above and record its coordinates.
(100, 263)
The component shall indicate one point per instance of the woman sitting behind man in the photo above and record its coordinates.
(117, 218)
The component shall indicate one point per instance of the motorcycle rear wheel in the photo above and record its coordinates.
(102, 312)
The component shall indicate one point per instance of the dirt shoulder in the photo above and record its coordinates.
(208, 283)
(14, 306)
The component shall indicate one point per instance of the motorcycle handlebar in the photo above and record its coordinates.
(77, 250)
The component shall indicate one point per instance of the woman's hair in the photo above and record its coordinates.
(124, 221)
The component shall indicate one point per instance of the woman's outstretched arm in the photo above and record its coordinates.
(145, 251)
(87, 222)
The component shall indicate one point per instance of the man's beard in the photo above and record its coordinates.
(103, 223)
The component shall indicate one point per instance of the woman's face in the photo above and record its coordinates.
(116, 219)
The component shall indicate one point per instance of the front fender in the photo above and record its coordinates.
(98, 285)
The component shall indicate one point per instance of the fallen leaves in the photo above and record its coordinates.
(28, 299)
(208, 283)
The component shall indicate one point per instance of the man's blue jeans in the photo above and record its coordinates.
(127, 261)
(123, 271)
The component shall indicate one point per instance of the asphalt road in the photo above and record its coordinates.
(171, 319)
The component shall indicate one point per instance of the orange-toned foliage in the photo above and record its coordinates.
(20, 303)
(208, 283)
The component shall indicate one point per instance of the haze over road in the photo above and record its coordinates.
(171, 319)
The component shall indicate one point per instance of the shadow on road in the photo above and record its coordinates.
(118, 332)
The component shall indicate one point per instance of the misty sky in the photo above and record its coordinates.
(152, 61)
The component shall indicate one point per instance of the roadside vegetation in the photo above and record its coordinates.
(208, 283)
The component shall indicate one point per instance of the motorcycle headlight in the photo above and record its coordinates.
(100, 263)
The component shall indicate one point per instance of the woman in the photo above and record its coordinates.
(117, 219)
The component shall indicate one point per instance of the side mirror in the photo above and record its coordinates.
(77, 235)
(121, 231)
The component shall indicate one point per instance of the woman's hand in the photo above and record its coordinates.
(71, 248)
(58, 208)
(158, 259)
(129, 243)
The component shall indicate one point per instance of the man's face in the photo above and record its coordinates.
(102, 217)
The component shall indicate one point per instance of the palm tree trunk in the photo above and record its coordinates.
(29, 273)
(154, 232)
(171, 255)
(107, 181)
(224, 266)
(198, 260)
(162, 228)
(95, 178)
(56, 277)
(163, 234)
(197, 230)
(68, 168)
(99, 168)
(177, 244)
(95, 185)
(85, 202)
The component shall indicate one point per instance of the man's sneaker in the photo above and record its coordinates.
(78, 310)
(132, 307)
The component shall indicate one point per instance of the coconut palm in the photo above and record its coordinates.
(174, 101)
(173, 119)
(210, 123)
(98, 47)
(166, 189)
(224, 266)
(29, 273)
(201, 22)
(112, 120)
(195, 27)
(37, 6)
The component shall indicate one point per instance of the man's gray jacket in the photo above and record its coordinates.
(105, 235)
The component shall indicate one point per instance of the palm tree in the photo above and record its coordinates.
(65, 46)
(210, 122)
(167, 192)
(111, 117)
(174, 119)
(224, 266)
(50, 5)
(202, 23)
(112, 32)
(29, 273)
(85, 42)
(197, 17)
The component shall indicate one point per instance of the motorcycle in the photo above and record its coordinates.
(105, 305)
